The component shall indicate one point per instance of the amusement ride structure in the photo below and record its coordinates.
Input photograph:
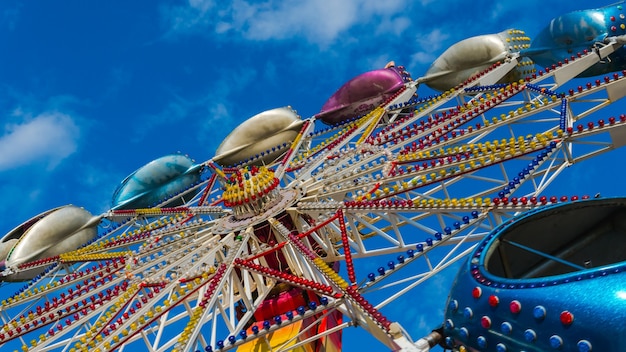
(262, 247)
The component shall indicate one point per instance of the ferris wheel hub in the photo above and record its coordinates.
(251, 191)
(255, 195)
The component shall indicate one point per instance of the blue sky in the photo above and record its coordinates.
(90, 91)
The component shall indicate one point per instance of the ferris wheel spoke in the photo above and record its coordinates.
(435, 270)
(307, 127)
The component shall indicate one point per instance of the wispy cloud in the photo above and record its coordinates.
(211, 112)
(99, 180)
(318, 22)
(47, 138)
(9, 17)
(428, 46)
(411, 33)
(220, 115)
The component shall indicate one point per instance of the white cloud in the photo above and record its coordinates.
(428, 45)
(220, 116)
(421, 58)
(9, 17)
(210, 111)
(395, 25)
(320, 22)
(99, 180)
(183, 18)
(49, 138)
(432, 40)
(376, 62)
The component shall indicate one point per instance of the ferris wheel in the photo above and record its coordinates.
(301, 229)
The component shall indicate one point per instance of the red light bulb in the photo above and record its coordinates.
(485, 322)
(515, 307)
(566, 317)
